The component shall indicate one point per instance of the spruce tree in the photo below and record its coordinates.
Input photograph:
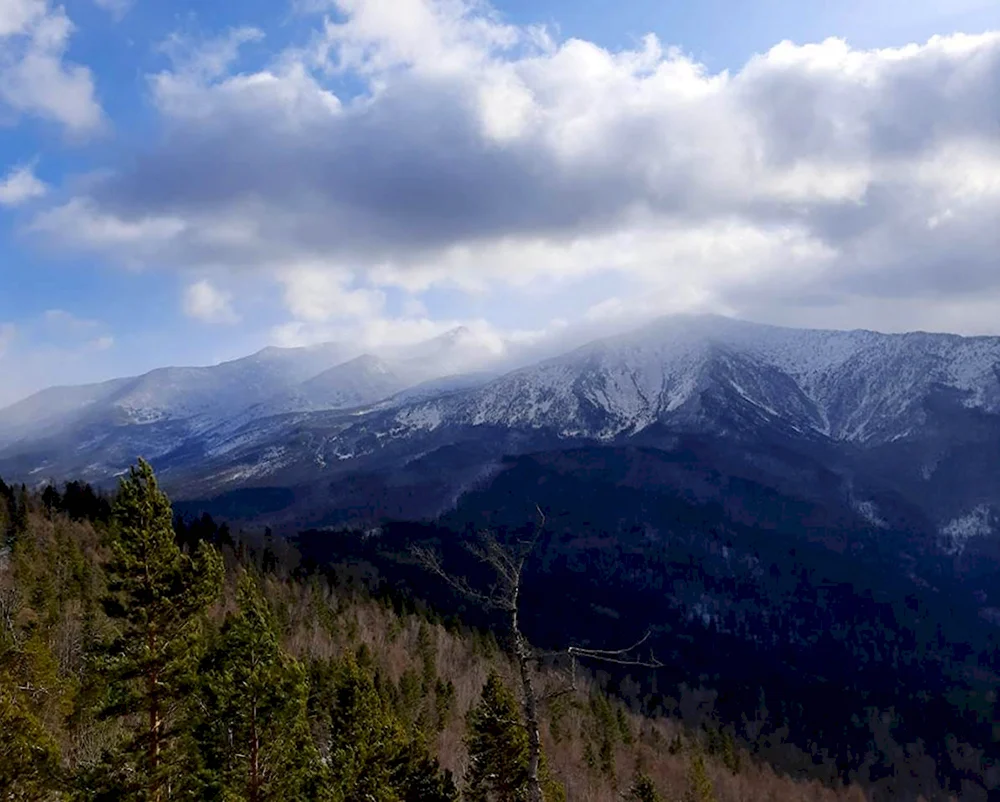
(255, 732)
(157, 595)
(498, 747)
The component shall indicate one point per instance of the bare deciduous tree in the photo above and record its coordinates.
(507, 562)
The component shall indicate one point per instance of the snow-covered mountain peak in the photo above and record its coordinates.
(710, 371)
(703, 374)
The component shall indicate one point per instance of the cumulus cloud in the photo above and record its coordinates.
(20, 185)
(35, 79)
(481, 155)
(203, 301)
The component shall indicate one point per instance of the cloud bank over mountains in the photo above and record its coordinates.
(411, 147)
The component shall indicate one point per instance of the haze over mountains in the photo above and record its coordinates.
(903, 424)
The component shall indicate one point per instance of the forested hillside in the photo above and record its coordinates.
(142, 658)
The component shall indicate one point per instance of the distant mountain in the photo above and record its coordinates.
(176, 413)
(363, 380)
(708, 373)
(913, 415)
(196, 394)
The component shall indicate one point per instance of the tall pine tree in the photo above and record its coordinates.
(254, 730)
(157, 595)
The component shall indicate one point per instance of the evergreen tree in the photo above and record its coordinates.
(498, 747)
(497, 741)
(156, 595)
(699, 786)
(51, 500)
(29, 757)
(417, 777)
(730, 752)
(361, 736)
(643, 789)
(255, 731)
(18, 526)
(371, 759)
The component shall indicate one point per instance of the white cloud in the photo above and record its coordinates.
(34, 78)
(203, 301)
(17, 15)
(116, 8)
(20, 185)
(315, 295)
(489, 158)
(63, 323)
(414, 307)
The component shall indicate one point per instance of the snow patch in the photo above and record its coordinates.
(957, 533)
(869, 511)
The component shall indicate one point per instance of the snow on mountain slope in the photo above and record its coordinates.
(49, 410)
(714, 374)
(207, 393)
(196, 394)
(362, 380)
(698, 374)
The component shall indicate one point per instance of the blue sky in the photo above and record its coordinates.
(186, 182)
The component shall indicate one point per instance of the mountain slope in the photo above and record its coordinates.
(362, 380)
(911, 414)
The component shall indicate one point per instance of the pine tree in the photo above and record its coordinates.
(255, 729)
(370, 756)
(29, 757)
(19, 514)
(498, 747)
(361, 734)
(643, 789)
(417, 777)
(730, 752)
(699, 786)
(156, 595)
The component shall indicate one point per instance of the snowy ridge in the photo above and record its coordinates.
(856, 386)
(895, 406)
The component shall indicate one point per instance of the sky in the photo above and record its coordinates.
(186, 182)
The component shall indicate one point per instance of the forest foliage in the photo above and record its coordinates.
(147, 658)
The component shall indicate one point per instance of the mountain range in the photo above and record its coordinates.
(906, 425)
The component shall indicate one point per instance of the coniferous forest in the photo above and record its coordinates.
(147, 658)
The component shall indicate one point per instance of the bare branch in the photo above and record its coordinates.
(552, 695)
(507, 562)
(618, 656)
(460, 585)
